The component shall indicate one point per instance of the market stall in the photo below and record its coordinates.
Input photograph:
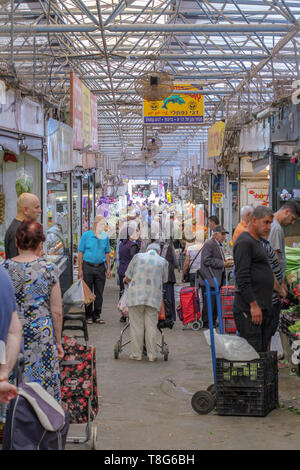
(59, 219)
(21, 155)
(59, 199)
(289, 325)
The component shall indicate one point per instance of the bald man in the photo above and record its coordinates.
(94, 265)
(28, 207)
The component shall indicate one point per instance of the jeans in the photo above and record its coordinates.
(94, 277)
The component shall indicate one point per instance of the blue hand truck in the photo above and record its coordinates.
(203, 401)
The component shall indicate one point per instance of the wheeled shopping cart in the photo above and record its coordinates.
(79, 377)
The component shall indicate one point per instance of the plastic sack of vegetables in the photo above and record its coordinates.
(24, 183)
(78, 294)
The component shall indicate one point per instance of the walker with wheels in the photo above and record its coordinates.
(120, 344)
(203, 401)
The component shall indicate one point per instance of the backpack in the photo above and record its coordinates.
(35, 421)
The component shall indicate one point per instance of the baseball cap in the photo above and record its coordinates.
(219, 228)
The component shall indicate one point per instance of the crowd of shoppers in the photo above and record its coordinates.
(32, 296)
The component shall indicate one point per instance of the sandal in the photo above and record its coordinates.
(89, 321)
(98, 320)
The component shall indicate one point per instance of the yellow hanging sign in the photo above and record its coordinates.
(215, 137)
(217, 198)
(178, 108)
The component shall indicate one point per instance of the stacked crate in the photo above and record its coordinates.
(247, 388)
(227, 298)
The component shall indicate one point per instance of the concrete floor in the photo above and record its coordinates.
(148, 405)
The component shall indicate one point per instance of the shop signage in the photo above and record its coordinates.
(217, 198)
(60, 147)
(21, 114)
(83, 113)
(255, 138)
(215, 138)
(258, 197)
(178, 108)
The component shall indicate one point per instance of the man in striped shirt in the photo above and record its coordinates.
(279, 290)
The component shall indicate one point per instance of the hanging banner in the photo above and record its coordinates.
(215, 138)
(59, 145)
(178, 108)
(94, 122)
(86, 117)
(83, 115)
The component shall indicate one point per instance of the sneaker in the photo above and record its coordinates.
(135, 358)
(152, 359)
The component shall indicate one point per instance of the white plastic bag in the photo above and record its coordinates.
(75, 294)
(276, 344)
(123, 301)
(122, 305)
(232, 348)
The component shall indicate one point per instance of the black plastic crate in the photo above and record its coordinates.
(256, 373)
(247, 401)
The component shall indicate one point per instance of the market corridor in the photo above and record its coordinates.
(148, 405)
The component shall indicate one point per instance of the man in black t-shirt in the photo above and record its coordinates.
(254, 282)
(28, 207)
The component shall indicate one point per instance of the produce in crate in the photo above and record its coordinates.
(292, 264)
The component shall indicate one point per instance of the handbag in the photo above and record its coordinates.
(35, 421)
(187, 276)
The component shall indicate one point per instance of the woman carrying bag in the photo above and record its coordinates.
(192, 264)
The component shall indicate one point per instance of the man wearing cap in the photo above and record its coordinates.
(212, 258)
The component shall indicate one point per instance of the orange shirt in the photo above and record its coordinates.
(241, 227)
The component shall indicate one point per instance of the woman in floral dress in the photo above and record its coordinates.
(39, 306)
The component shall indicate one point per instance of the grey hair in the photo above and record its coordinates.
(154, 246)
(246, 210)
(260, 212)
